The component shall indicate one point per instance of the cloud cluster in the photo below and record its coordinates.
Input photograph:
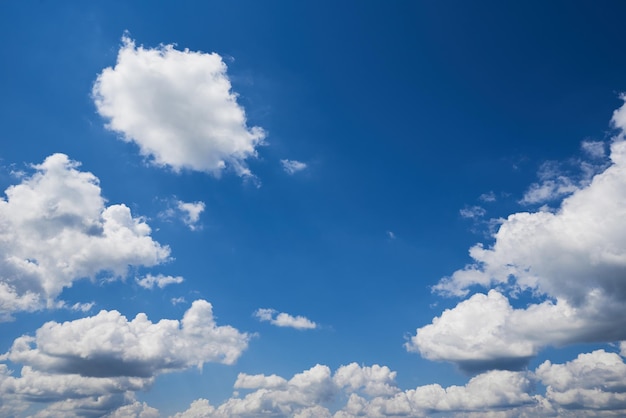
(178, 107)
(571, 260)
(591, 384)
(281, 319)
(56, 229)
(107, 357)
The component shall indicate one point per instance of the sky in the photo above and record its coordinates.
(312, 209)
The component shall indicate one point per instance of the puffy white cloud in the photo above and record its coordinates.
(56, 229)
(293, 166)
(365, 392)
(191, 213)
(592, 381)
(109, 345)
(135, 410)
(94, 365)
(200, 408)
(573, 262)
(178, 107)
(283, 319)
(159, 280)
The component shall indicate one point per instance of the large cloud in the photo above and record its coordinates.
(365, 392)
(56, 229)
(108, 344)
(95, 364)
(572, 260)
(178, 107)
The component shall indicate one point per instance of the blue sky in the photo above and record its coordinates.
(312, 209)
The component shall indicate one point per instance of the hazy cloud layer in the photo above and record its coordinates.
(56, 229)
(178, 107)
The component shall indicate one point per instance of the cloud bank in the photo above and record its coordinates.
(177, 107)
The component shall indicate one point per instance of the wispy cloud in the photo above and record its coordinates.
(292, 166)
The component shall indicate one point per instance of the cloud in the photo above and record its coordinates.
(594, 149)
(572, 261)
(284, 319)
(365, 392)
(56, 229)
(472, 212)
(191, 213)
(592, 381)
(177, 107)
(109, 345)
(159, 280)
(292, 166)
(488, 197)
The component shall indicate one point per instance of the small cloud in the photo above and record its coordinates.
(82, 307)
(391, 235)
(191, 213)
(283, 319)
(488, 197)
(176, 301)
(159, 280)
(472, 212)
(188, 212)
(292, 166)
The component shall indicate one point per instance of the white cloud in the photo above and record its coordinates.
(486, 332)
(595, 149)
(109, 345)
(292, 166)
(391, 235)
(159, 280)
(592, 381)
(488, 197)
(135, 410)
(472, 212)
(572, 261)
(178, 107)
(56, 229)
(191, 213)
(176, 301)
(283, 319)
(366, 392)
(553, 185)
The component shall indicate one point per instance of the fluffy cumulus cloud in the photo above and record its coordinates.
(281, 319)
(97, 363)
(56, 228)
(572, 260)
(178, 107)
(590, 385)
(292, 166)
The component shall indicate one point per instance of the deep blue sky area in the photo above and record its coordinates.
(402, 114)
